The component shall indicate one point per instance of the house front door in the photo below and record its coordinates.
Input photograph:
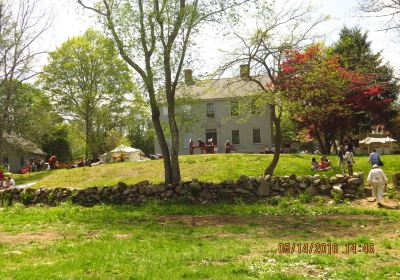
(211, 134)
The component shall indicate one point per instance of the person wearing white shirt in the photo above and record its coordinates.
(348, 157)
(377, 180)
(9, 183)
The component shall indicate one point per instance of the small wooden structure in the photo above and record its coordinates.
(204, 148)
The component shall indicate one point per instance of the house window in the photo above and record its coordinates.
(234, 108)
(235, 137)
(256, 136)
(210, 110)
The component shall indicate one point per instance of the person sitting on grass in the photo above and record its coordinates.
(314, 164)
(324, 164)
(9, 183)
(326, 160)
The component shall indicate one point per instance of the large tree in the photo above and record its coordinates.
(21, 25)
(279, 29)
(326, 98)
(154, 38)
(355, 54)
(88, 84)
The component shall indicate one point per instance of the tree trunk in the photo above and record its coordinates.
(176, 173)
(87, 139)
(170, 93)
(163, 145)
(320, 142)
(277, 139)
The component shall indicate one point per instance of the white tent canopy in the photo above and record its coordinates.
(127, 153)
(125, 149)
(370, 140)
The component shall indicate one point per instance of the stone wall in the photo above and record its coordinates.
(246, 189)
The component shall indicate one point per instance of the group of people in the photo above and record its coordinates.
(376, 179)
(6, 181)
(34, 165)
(323, 165)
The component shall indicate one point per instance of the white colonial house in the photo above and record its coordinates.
(222, 109)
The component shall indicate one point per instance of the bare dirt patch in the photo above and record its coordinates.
(387, 203)
(26, 237)
(285, 226)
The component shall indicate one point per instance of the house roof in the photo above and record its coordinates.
(220, 88)
(22, 144)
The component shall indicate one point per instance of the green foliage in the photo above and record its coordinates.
(55, 142)
(355, 53)
(180, 241)
(89, 84)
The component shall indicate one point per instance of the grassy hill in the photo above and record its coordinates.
(214, 168)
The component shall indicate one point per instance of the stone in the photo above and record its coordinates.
(160, 188)
(264, 189)
(340, 177)
(350, 191)
(195, 186)
(205, 195)
(303, 185)
(316, 182)
(178, 189)
(115, 189)
(38, 192)
(122, 184)
(149, 190)
(249, 186)
(91, 190)
(337, 189)
(324, 187)
(143, 183)
(292, 191)
(371, 199)
(14, 190)
(169, 193)
(228, 182)
(354, 181)
(276, 186)
(243, 191)
(243, 179)
(292, 183)
(312, 190)
(292, 177)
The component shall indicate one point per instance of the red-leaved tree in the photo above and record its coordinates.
(327, 99)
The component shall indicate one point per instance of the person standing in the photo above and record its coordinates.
(374, 158)
(52, 161)
(348, 156)
(377, 180)
(342, 161)
(228, 147)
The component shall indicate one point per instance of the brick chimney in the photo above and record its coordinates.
(244, 71)
(189, 77)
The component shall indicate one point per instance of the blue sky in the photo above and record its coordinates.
(70, 20)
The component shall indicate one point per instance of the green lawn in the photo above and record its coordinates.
(203, 167)
(170, 241)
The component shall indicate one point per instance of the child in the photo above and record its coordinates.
(314, 164)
